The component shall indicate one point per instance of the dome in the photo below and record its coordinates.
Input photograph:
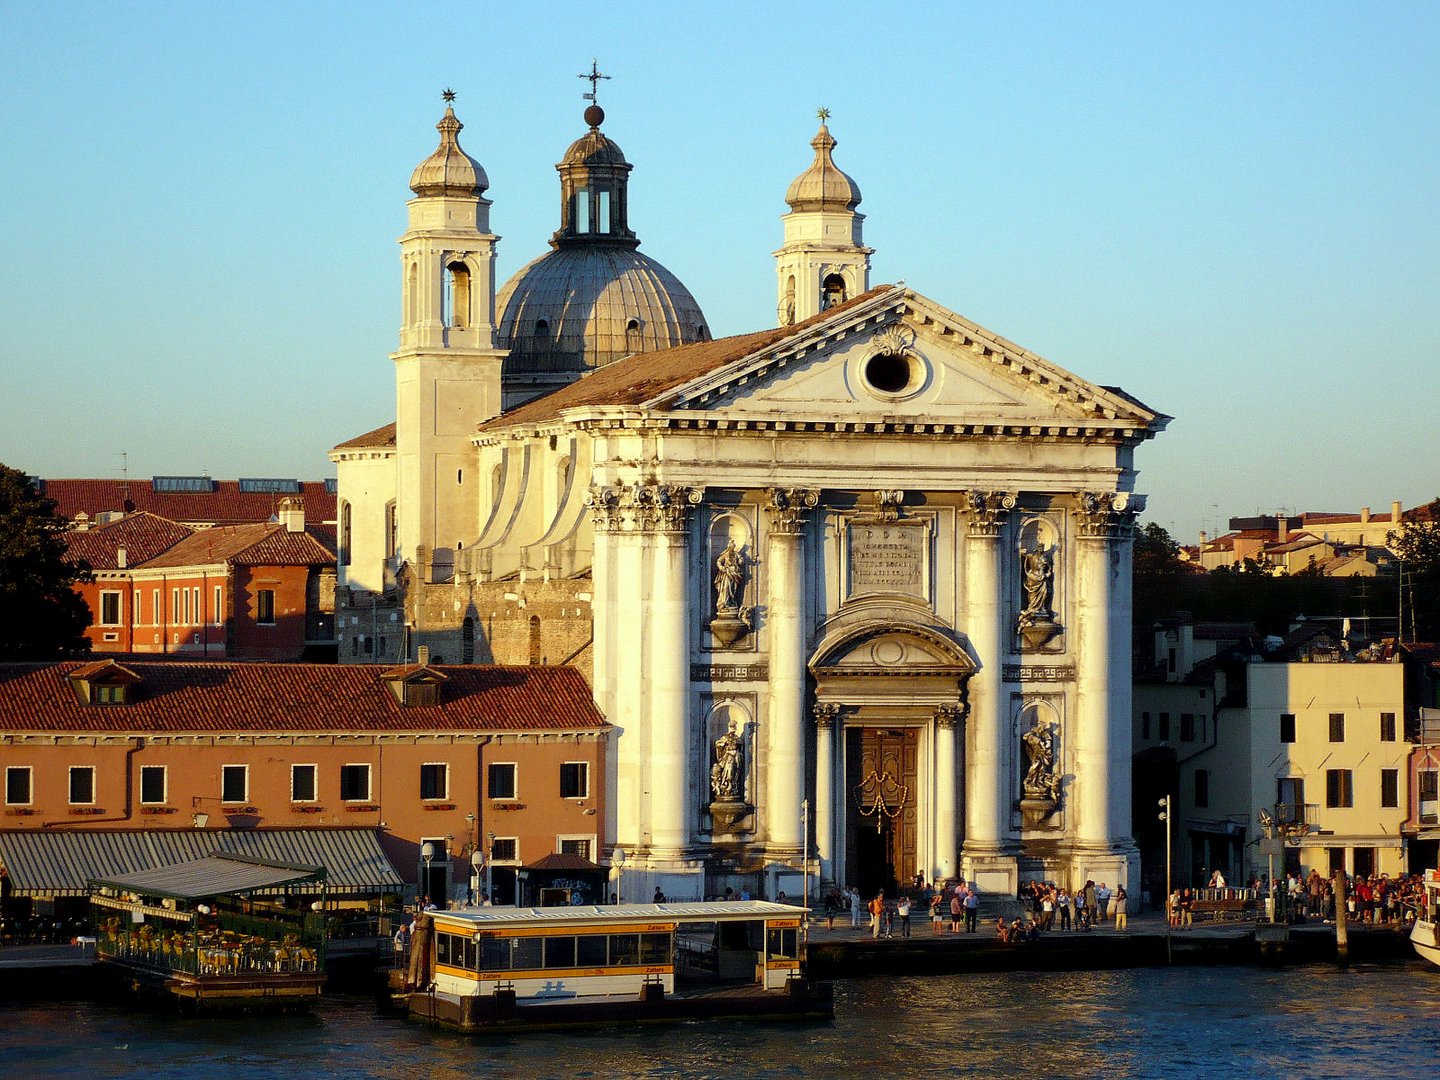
(580, 307)
(823, 186)
(449, 170)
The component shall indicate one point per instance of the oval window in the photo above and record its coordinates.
(888, 374)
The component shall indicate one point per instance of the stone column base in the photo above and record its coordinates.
(994, 874)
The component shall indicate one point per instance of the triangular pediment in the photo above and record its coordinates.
(906, 357)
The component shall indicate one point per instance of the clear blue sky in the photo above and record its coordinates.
(1230, 210)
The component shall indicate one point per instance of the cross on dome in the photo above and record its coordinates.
(594, 77)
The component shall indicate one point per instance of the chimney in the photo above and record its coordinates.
(422, 656)
(1364, 515)
(292, 514)
(120, 557)
(1282, 528)
(1395, 512)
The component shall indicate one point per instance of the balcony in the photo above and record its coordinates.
(1297, 819)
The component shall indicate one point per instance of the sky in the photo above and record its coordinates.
(1227, 209)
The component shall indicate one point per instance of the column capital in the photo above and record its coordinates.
(989, 510)
(949, 716)
(827, 714)
(787, 508)
(665, 508)
(1107, 515)
(605, 506)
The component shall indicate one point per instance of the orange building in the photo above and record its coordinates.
(506, 762)
(262, 591)
(196, 501)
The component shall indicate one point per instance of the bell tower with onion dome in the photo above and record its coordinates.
(824, 260)
(447, 368)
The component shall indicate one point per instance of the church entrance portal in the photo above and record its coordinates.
(881, 817)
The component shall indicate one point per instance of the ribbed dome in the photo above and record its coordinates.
(823, 186)
(449, 170)
(594, 148)
(581, 307)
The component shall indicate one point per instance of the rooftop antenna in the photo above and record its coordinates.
(594, 77)
(124, 478)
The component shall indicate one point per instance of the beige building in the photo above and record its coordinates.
(853, 590)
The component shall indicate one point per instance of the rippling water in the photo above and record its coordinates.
(1208, 1022)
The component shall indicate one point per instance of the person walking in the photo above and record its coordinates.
(1121, 900)
(957, 908)
(972, 909)
(855, 906)
(1062, 901)
(877, 912)
(902, 908)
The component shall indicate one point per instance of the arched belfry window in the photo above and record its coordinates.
(833, 291)
(457, 290)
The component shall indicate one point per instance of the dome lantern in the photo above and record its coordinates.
(449, 170)
(823, 186)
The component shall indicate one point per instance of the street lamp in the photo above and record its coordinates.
(1165, 817)
(490, 868)
(427, 852)
(617, 860)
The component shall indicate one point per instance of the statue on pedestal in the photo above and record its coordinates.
(732, 621)
(1041, 780)
(1037, 619)
(726, 775)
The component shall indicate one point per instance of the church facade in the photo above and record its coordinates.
(853, 591)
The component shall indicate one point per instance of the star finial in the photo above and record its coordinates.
(594, 77)
(823, 113)
(449, 96)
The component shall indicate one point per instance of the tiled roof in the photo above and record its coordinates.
(645, 376)
(251, 698)
(226, 505)
(142, 535)
(381, 436)
(246, 545)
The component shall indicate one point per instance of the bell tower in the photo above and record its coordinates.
(447, 368)
(824, 260)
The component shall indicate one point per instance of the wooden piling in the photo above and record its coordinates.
(1342, 937)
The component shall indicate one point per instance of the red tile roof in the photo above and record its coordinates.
(380, 437)
(644, 376)
(226, 505)
(246, 545)
(142, 535)
(251, 698)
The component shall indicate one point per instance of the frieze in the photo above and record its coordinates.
(729, 672)
(1029, 673)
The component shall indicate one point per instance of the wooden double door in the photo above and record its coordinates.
(882, 816)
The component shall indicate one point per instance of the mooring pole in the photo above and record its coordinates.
(1342, 936)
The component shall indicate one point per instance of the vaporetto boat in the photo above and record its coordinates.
(495, 968)
(1425, 934)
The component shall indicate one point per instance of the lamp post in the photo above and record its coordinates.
(805, 878)
(1165, 817)
(490, 868)
(477, 860)
(427, 852)
(617, 860)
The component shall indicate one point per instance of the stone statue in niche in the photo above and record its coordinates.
(732, 619)
(1041, 780)
(1037, 618)
(726, 775)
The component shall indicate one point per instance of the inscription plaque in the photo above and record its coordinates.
(888, 557)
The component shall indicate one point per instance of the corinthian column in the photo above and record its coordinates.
(785, 774)
(947, 720)
(987, 781)
(621, 809)
(1101, 743)
(665, 514)
(825, 787)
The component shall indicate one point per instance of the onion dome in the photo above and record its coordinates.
(593, 298)
(449, 170)
(823, 186)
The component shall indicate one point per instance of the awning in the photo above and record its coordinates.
(59, 862)
(217, 875)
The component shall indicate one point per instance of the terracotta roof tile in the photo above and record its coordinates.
(644, 376)
(142, 535)
(246, 545)
(237, 697)
(380, 437)
(226, 505)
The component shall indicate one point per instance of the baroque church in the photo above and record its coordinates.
(852, 589)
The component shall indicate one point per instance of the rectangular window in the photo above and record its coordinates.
(1164, 733)
(265, 607)
(1145, 725)
(198, 604)
(175, 606)
(1202, 787)
(1429, 797)
(302, 783)
(152, 784)
(575, 780)
(604, 212)
(109, 608)
(575, 846)
(234, 783)
(215, 611)
(1187, 727)
(1339, 788)
(355, 783)
(434, 781)
(1287, 727)
(17, 785)
(138, 600)
(185, 619)
(155, 616)
(82, 785)
(1387, 727)
(1337, 727)
(502, 780)
(582, 210)
(1389, 787)
(504, 849)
